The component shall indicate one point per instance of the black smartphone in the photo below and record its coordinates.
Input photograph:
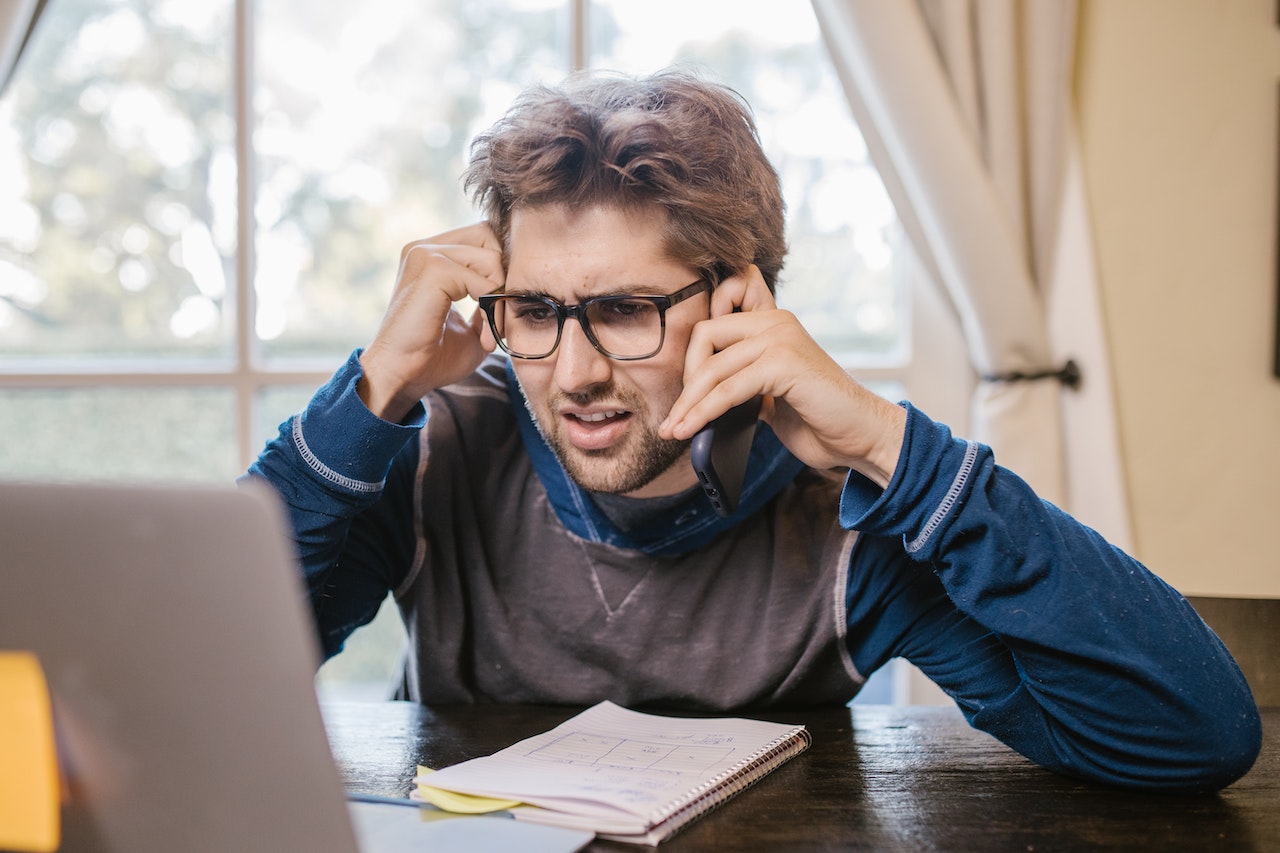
(720, 451)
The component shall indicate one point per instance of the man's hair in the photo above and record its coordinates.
(670, 141)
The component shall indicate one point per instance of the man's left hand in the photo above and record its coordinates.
(751, 347)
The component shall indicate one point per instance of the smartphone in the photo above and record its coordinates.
(720, 451)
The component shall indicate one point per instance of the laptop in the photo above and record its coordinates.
(173, 630)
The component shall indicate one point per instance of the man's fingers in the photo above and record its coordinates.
(744, 292)
(724, 366)
(477, 234)
(692, 413)
(743, 332)
(457, 270)
(472, 247)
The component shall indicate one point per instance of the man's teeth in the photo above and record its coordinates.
(597, 417)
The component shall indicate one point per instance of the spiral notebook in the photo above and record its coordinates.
(625, 775)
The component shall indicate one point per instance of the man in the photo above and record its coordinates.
(539, 522)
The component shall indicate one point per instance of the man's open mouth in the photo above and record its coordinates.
(595, 430)
(599, 417)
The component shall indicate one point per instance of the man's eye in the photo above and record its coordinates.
(532, 311)
(626, 310)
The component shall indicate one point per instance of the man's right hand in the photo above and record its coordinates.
(423, 342)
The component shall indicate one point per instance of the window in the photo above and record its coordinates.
(202, 203)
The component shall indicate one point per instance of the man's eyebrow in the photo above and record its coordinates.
(626, 290)
(639, 290)
(531, 292)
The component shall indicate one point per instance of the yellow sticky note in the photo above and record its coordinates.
(29, 792)
(457, 803)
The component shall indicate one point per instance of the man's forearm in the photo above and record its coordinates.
(1109, 673)
(329, 464)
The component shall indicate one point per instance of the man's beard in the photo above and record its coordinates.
(619, 470)
(625, 467)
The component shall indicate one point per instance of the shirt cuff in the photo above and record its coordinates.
(344, 443)
(935, 471)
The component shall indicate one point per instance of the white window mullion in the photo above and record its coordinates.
(246, 350)
(578, 17)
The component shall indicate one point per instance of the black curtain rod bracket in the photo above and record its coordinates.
(1068, 375)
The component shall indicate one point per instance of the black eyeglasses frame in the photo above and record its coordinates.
(489, 303)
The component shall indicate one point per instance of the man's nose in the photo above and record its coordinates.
(579, 365)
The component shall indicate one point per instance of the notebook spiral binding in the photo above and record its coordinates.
(731, 782)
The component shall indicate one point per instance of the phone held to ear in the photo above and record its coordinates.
(720, 451)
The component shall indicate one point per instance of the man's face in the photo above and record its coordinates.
(599, 415)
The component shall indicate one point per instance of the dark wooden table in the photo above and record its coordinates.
(876, 778)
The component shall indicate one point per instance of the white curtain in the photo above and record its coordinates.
(966, 109)
(17, 17)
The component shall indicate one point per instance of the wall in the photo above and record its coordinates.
(1178, 103)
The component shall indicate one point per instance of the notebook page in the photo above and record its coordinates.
(615, 764)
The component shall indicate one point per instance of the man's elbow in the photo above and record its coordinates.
(1203, 757)
(1228, 753)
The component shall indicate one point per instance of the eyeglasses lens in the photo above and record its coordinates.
(629, 328)
(621, 327)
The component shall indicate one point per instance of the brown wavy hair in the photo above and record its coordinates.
(670, 140)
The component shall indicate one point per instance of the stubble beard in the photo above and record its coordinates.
(628, 465)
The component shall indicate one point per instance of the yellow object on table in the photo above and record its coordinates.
(450, 801)
(29, 790)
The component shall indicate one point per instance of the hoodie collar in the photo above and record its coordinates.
(680, 529)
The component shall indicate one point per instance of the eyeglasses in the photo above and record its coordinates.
(622, 327)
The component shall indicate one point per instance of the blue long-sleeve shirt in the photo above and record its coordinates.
(1048, 637)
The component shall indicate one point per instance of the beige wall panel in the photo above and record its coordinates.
(1178, 104)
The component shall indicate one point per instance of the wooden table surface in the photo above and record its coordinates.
(875, 778)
